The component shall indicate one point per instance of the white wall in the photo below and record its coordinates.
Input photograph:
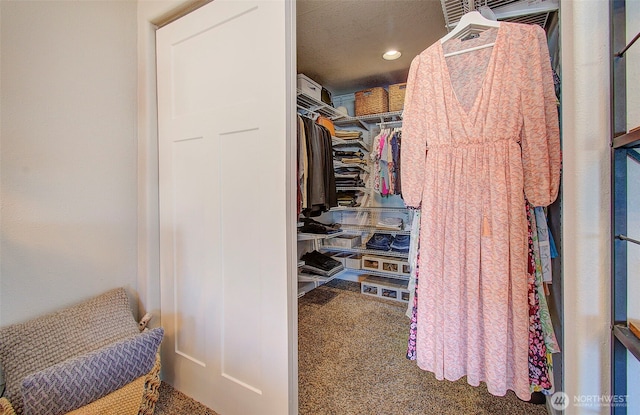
(149, 12)
(586, 200)
(68, 161)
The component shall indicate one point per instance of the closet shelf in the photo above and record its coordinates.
(374, 228)
(379, 274)
(628, 339)
(317, 236)
(370, 209)
(384, 117)
(349, 142)
(313, 106)
(307, 282)
(357, 189)
(628, 140)
(363, 167)
(363, 250)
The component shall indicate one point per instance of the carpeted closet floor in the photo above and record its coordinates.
(172, 402)
(352, 361)
(351, 354)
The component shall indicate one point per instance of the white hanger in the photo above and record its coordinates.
(470, 23)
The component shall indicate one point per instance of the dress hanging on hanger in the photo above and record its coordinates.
(480, 132)
(469, 27)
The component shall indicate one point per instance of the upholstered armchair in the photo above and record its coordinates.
(90, 358)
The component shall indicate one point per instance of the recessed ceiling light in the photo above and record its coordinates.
(391, 55)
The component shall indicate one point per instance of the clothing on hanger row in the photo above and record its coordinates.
(386, 162)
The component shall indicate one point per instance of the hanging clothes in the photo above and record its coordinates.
(539, 379)
(316, 174)
(303, 166)
(480, 131)
(385, 159)
(536, 251)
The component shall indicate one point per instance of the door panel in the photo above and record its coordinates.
(222, 108)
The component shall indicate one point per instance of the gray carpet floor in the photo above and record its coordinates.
(172, 402)
(352, 362)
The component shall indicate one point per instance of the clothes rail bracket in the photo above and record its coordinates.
(626, 238)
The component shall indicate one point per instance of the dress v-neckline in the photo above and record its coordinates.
(488, 68)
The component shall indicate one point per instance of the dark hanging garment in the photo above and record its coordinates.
(330, 184)
(321, 191)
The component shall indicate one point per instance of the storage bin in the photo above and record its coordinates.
(341, 257)
(391, 265)
(396, 96)
(309, 87)
(372, 101)
(386, 288)
(344, 241)
(353, 261)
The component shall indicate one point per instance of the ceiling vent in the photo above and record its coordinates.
(518, 11)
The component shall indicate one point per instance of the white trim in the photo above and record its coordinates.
(586, 200)
(292, 246)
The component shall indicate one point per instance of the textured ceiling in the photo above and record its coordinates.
(340, 42)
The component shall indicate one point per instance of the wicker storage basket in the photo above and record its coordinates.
(396, 96)
(372, 101)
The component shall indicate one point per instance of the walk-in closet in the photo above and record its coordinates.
(428, 206)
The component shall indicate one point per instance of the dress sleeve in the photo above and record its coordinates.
(414, 145)
(540, 138)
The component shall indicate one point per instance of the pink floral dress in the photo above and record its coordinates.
(480, 131)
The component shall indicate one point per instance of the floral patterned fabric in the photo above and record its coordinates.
(413, 327)
(480, 131)
(538, 369)
(545, 317)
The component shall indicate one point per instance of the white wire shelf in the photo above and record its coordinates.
(311, 106)
(357, 189)
(370, 209)
(317, 236)
(363, 250)
(307, 282)
(339, 164)
(307, 104)
(355, 142)
(379, 274)
(384, 117)
(374, 228)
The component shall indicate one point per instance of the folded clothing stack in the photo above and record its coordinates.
(313, 226)
(348, 134)
(321, 264)
(401, 243)
(387, 242)
(390, 223)
(380, 241)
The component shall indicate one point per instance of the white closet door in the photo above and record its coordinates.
(223, 206)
